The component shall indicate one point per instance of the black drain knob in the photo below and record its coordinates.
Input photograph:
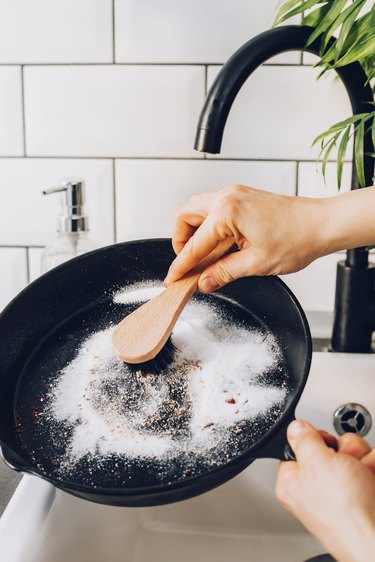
(352, 418)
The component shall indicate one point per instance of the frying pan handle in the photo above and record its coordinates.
(14, 460)
(277, 446)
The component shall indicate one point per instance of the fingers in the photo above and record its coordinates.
(189, 217)
(286, 484)
(226, 269)
(353, 445)
(306, 441)
(369, 460)
(309, 445)
(329, 439)
(183, 232)
(204, 240)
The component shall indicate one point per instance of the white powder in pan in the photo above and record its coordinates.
(213, 385)
(140, 292)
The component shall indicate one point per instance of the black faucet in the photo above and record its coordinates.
(354, 318)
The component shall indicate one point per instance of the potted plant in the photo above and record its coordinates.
(353, 25)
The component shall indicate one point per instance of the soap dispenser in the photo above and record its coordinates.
(73, 239)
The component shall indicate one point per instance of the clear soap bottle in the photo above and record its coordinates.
(73, 239)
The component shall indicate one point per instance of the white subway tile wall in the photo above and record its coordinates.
(148, 192)
(31, 218)
(13, 267)
(314, 286)
(194, 31)
(309, 59)
(111, 91)
(35, 256)
(280, 110)
(59, 31)
(11, 114)
(112, 110)
(313, 184)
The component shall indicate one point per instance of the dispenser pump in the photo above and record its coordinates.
(72, 217)
(72, 226)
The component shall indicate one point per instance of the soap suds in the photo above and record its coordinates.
(196, 407)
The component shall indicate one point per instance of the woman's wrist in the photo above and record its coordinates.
(334, 233)
(327, 232)
(349, 220)
(361, 547)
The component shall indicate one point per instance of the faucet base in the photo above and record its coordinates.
(354, 319)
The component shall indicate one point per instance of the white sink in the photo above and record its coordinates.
(239, 521)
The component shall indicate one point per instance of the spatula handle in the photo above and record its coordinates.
(141, 335)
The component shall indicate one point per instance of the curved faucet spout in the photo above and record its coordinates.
(247, 59)
(353, 323)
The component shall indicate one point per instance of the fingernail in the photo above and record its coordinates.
(208, 285)
(330, 440)
(295, 428)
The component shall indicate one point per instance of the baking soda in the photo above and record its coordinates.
(212, 387)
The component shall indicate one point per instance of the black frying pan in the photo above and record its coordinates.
(39, 333)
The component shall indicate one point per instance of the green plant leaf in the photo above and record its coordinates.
(351, 13)
(284, 7)
(359, 50)
(359, 43)
(339, 126)
(370, 70)
(341, 154)
(280, 18)
(329, 19)
(327, 58)
(314, 17)
(355, 42)
(358, 153)
(323, 147)
(328, 151)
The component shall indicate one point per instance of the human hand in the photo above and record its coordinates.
(331, 493)
(275, 234)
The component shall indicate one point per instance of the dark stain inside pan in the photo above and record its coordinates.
(47, 443)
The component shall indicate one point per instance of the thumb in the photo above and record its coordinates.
(306, 441)
(226, 269)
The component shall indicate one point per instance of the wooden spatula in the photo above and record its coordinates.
(141, 335)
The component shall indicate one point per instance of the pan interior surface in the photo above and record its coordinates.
(158, 447)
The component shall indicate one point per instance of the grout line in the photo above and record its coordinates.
(27, 246)
(113, 33)
(23, 110)
(114, 201)
(27, 265)
(135, 63)
(182, 158)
